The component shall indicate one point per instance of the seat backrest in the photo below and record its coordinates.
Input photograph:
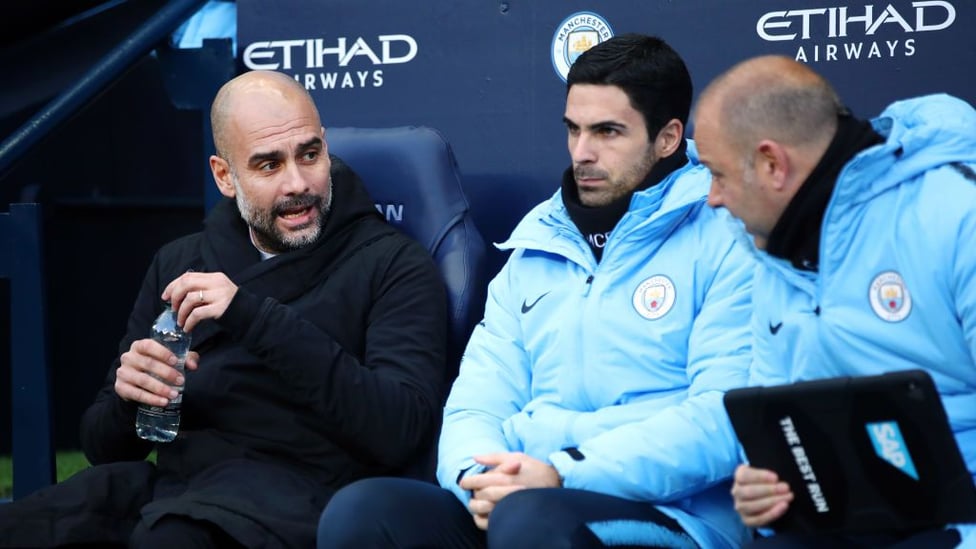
(21, 261)
(412, 175)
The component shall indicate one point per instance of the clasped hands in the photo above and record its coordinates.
(509, 472)
(146, 373)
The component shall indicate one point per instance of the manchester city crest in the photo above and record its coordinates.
(654, 297)
(889, 297)
(576, 34)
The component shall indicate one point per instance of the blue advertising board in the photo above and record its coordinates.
(490, 74)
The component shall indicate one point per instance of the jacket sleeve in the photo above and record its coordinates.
(385, 406)
(691, 446)
(108, 426)
(493, 385)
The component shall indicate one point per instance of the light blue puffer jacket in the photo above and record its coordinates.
(626, 359)
(897, 282)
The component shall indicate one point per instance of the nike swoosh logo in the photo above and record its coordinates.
(526, 307)
(773, 329)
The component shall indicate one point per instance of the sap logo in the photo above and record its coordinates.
(283, 54)
(929, 15)
(392, 212)
(890, 446)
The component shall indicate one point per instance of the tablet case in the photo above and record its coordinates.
(861, 454)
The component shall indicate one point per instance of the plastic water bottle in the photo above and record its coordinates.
(161, 423)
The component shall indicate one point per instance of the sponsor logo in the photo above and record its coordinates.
(853, 33)
(654, 297)
(353, 61)
(889, 297)
(774, 329)
(890, 446)
(527, 307)
(576, 34)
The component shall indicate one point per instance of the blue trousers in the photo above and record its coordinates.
(396, 512)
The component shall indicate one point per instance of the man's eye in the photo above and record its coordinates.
(310, 156)
(268, 166)
(608, 131)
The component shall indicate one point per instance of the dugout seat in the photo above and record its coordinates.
(413, 177)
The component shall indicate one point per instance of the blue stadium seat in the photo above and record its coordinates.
(412, 175)
(413, 178)
(21, 261)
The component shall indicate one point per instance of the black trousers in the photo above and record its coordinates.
(396, 512)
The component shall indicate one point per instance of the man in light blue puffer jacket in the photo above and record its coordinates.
(588, 409)
(864, 232)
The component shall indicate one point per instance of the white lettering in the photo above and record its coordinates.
(789, 431)
(598, 240)
(920, 25)
(278, 54)
(890, 15)
(359, 48)
(909, 47)
(328, 80)
(388, 58)
(763, 25)
(841, 21)
(816, 494)
(891, 448)
(392, 212)
(316, 52)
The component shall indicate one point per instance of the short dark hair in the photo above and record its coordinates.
(647, 69)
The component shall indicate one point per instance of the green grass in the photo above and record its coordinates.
(68, 463)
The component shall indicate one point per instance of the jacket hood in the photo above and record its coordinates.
(920, 134)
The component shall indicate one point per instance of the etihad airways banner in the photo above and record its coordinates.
(490, 74)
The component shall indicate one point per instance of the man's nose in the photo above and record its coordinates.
(581, 149)
(295, 180)
(714, 197)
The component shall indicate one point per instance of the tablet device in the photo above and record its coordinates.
(861, 454)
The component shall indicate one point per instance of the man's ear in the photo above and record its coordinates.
(772, 163)
(669, 138)
(221, 174)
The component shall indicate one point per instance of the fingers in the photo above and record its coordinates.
(745, 474)
(146, 374)
(199, 296)
(760, 498)
(494, 494)
(761, 512)
(192, 360)
(484, 480)
(484, 503)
